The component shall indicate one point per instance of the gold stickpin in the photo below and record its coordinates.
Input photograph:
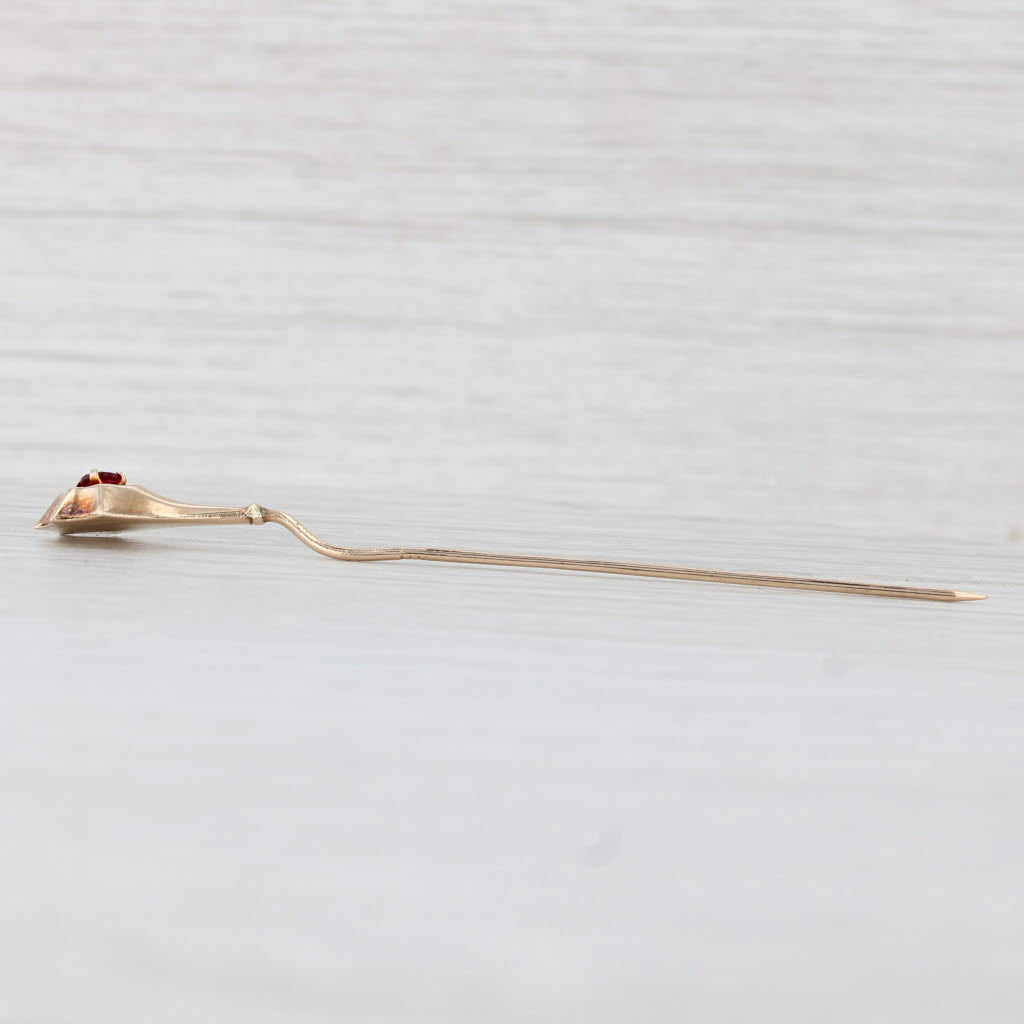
(104, 502)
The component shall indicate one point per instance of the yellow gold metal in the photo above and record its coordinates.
(104, 508)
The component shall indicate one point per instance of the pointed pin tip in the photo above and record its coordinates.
(963, 595)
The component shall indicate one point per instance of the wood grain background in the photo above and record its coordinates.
(728, 284)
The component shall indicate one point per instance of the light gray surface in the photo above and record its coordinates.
(729, 285)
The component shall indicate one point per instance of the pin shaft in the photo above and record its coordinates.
(617, 568)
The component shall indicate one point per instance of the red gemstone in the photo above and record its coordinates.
(101, 477)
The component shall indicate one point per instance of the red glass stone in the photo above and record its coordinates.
(101, 477)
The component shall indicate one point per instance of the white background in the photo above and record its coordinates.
(734, 285)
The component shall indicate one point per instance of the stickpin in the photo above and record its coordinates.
(104, 502)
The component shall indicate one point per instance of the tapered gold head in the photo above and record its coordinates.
(104, 502)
